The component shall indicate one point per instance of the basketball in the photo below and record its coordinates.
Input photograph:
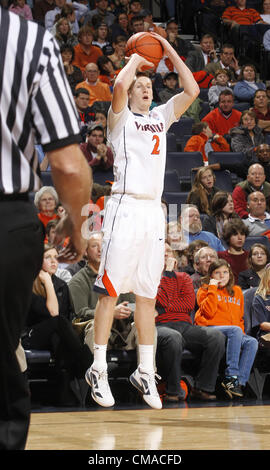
(145, 45)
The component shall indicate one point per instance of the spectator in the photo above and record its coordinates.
(174, 304)
(40, 8)
(258, 258)
(48, 324)
(63, 33)
(80, 11)
(98, 155)
(102, 11)
(224, 117)
(182, 46)
(121, 26)
(221, 306)
(260, 317)
(84, 52)
(203, 55)
(203, 190)
(246, 137)
(203, 140)
(19, 7)
(265, 15)
(255, 181)
(98, 90)
(86, 114)
(171, 86)
(266, 40)
(222, 78)
(234, 235)
(107, 71)
(150, 26)
(247, 84)
(136, 24)
(84, 300)
(46, 200)
(202, 260)
(135, 8)
(73, 73)
(101, 118)
(191, 250)
(192, 229)
(258, 220)
(261, 108)
(118, 56)
(101, 35)
(227, 61)
(222, 211)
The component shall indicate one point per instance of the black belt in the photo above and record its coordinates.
(14, 197)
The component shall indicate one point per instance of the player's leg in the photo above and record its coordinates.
(144, 376)
(96, 375)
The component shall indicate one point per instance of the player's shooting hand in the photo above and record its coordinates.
(76, 246)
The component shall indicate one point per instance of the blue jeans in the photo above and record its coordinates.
(241, 350)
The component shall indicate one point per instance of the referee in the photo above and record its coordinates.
(36, 105)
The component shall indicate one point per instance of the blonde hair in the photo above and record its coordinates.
(264, 288)
(198, 188)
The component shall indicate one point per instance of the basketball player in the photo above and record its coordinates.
(134, 224)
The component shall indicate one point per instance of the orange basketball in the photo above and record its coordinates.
(146, 45)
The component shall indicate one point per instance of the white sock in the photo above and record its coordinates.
(100, 360)
(146, 355)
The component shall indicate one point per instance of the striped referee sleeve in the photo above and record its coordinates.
(36, 102)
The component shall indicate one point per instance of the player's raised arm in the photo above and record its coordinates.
(183, 100)
(124, 80)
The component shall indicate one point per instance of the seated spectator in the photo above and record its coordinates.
(107, 70)
(234, 235)
(222, 211)
(85, 52)
(136, 24)
(246, 137)
(101, 35)
(63, 33)
(174, 304)
(49, 320)
(120, 27)
(247, 84)
(171, 86)
(224, 117)
(19, 7)
(221, 306)
(98, 90)
(95, 150)
(222, 78)
(227, 61)
(40, 9)
(203, 190)
(80, 11)
(73, 73)
(46, 200)
(191, 251)
(258, 258)
(135, 8)
(266, 40)
(192, 229)
(261, 108)
(202, 260)
(118, 56)
(102, 11)
(203, 55)
(203, 140)
(86, 113)
(84, 300)
(150, 26)
(255, 181)
(260, 318)
(182, 46)
(265, 11)
(258, 221)
(101, 118)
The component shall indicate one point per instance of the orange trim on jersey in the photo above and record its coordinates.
(107, 283)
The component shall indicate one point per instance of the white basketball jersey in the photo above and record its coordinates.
(139, 145)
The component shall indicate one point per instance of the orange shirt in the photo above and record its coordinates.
(98, 92)
(196, 143)
(46, 218)
(217, 307)
(82, 58)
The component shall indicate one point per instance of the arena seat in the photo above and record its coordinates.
(256, 239)
(171, 181)
(46, 178)
(183, 162)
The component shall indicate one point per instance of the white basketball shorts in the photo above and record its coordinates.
(133, 247)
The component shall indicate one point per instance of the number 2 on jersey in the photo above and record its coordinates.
(155, 150)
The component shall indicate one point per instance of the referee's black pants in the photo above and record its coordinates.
(21, 245)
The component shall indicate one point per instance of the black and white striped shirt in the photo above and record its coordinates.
(36, 103)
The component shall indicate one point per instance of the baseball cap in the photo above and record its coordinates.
(93, 126)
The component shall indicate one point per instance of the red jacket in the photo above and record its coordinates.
(197, 143)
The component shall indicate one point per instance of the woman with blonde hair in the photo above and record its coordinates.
(203, 190)
(261, 312)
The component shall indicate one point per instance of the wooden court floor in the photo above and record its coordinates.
(234, 426)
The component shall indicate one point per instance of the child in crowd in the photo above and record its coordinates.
(222, 78)
(221, 305)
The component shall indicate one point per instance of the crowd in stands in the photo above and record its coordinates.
(207, 266)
